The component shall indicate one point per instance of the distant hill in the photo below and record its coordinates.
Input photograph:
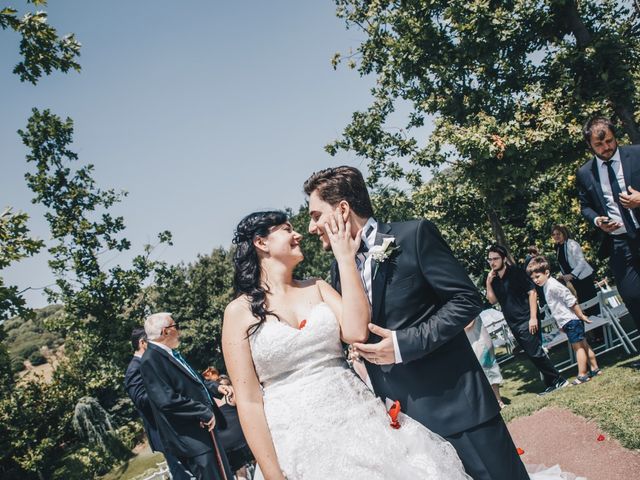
(29, 340)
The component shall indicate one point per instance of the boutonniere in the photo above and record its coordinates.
(381, 253)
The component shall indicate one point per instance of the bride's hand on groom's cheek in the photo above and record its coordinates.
(338, 231)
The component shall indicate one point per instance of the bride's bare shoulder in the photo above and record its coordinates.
(238, 312)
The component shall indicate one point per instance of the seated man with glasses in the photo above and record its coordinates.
(516, 293)
(185, 413)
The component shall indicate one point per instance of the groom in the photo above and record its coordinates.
(421, 300)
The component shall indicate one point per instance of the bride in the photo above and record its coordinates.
(304, 412)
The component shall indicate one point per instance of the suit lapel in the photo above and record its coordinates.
(626, 166)
(173, 360)
(379, 274)
(596, 183)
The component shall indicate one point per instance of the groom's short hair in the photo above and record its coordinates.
(341, 183)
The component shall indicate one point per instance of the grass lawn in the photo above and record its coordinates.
(141, 465)
(611, 399)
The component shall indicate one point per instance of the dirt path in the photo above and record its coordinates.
(557, 436)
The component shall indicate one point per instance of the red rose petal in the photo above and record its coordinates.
(600, 438)
(520, 451)
(393, 414)
(302, 324)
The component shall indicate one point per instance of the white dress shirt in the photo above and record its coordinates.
(366, 267)
(560, 300)
(613, 211)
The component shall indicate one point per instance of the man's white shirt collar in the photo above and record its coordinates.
(370, 240)
(162, 346)
(614, 158)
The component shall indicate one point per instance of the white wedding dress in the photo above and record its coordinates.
(326, 423)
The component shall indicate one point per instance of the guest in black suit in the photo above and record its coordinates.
(185, 413)
(421, 300)
(608, 189)
(134, 386)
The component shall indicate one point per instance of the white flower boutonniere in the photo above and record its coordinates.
(381, 253)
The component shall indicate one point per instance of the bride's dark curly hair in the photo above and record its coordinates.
(246, 277)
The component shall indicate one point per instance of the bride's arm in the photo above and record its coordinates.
(352, 309)
(239, 363)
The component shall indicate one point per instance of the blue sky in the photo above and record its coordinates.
(202, 110)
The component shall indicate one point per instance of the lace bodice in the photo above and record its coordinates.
(282, 352)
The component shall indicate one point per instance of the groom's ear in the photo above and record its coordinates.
(345, 209)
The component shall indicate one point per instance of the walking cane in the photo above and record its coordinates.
(218, 456)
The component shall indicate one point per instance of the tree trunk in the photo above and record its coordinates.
(498, 232)
(624, 109)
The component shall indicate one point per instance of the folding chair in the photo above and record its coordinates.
(611, 306)
(614, 334)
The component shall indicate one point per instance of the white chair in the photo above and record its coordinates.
(614, 334)
(612, 307)
(499, 332)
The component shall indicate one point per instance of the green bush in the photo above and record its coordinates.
(37, 358)
(17, 364)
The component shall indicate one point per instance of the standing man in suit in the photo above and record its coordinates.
(421, 300)
(134, 386)
(185, 413)
(608, 189)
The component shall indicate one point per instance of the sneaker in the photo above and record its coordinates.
(552, 388)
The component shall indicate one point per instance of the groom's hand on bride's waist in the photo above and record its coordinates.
(381, 353)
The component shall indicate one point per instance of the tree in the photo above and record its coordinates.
(196, 295)
(15, 244)
(508, 82)
(101, 304)
(41, 48)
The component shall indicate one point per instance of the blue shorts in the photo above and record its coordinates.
(574, 330)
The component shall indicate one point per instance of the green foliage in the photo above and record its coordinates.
(197, 294)
(15, 244)
(508, 83)
(41, 48)
(27, 335)
(100, 307)
(37, 358)
(316, 262)
(105, 302)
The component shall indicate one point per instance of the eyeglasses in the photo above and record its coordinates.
(173, 325)
(493, 259)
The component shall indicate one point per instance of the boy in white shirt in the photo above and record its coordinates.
(568, 315)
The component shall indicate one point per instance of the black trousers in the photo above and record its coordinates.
(586, 290)
(205, 466)
(488, 453)
(532, 346)
(625, 264)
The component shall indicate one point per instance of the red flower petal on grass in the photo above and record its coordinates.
(520, 451)
(302, 324)
(393, 414)
(600, 438)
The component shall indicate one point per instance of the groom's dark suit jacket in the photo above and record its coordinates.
(590, 194)
(179, 403)
(425, 295)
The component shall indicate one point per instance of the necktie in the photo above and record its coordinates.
(180, 358)
(615, 189)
